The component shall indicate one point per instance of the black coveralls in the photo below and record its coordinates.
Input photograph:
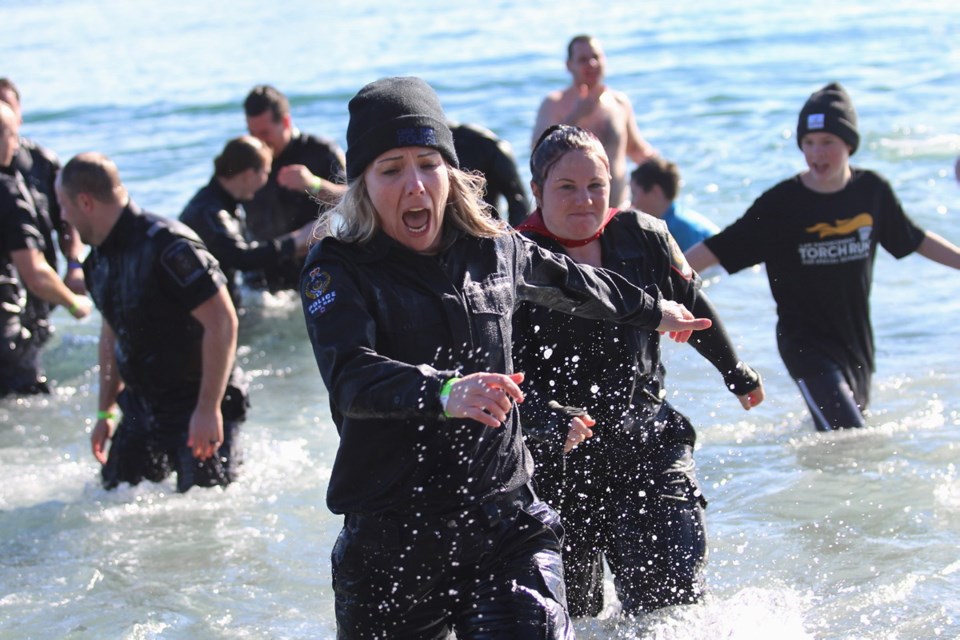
(440, 531)
(146, 278)
(276, 210)
(629, 493)
(220, 221)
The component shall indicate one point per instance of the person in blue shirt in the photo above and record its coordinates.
(654, 185)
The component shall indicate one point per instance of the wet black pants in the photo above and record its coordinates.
(490, 572)
(143, 450)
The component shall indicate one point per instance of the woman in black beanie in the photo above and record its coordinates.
(408, 307)
(818, 233)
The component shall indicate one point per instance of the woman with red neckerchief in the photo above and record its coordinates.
(613, 456)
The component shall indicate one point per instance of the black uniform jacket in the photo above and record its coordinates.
(614, 371)
(389, 326)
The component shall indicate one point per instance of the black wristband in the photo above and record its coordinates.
(741, 380)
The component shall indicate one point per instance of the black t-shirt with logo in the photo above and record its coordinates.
(819, 250)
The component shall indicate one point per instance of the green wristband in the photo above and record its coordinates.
(317, 185)
(445, 395)
(105, 415)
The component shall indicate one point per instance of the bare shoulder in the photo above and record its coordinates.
(620, 97)
(554, 99)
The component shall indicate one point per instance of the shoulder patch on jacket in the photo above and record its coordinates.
(181, 261)
(316, 289)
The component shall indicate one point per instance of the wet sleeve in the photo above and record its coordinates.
(554, 280)
(342, 327)
(715, 346)
(186, 271)
(225, 241)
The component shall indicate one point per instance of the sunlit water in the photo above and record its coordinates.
(850, 535)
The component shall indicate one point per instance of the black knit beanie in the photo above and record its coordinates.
(831, 110)
(391, 113)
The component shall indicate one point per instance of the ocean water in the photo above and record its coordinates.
(849, 535)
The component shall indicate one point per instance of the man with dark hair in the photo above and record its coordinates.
(23, 264)
(654, 186)
(167, 341)
(216, 213)
(306, 178)
(479, 149)
(589, 103)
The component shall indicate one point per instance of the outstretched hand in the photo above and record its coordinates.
(678, 322)
(485, 397)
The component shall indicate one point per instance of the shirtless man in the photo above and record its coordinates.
(591, 104)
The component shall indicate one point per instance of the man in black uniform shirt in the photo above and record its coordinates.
(306, 178)
(218, 217)
(167, 341)
(481, 150)
(23, 264)
(38, 166)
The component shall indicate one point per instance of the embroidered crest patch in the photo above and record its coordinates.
(316, 288)
(182, 262)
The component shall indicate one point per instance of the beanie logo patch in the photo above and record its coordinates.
(815, 121)
(417, 137)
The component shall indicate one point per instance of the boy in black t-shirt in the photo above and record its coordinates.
(817, 233)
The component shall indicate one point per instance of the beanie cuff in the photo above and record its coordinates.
(416, 130)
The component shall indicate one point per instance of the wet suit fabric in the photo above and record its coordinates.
(629, 493)
(220, 221)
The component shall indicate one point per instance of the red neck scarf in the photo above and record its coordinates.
(534, 222)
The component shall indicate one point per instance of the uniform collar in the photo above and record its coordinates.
(116, 240)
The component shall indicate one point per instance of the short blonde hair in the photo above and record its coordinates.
(354, 219)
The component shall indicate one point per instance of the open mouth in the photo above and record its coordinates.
(416, 220)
